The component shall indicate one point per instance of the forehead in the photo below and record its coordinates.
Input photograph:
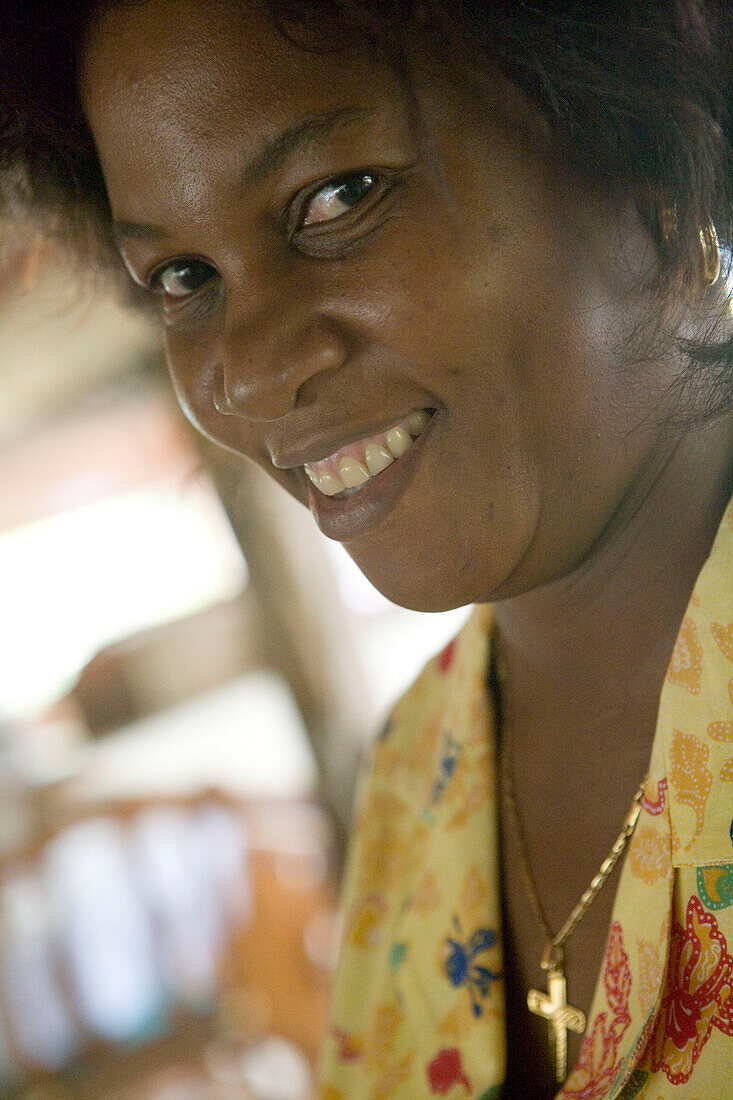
(197, 70)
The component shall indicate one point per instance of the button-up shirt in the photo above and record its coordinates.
(418, 1008)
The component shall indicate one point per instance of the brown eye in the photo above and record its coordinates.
(182, 278)
(337, 197)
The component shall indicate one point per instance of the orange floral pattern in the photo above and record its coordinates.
(330, 1092)
(689, 774)
(724, 638)
(723, 634)
(721, 731)
(474, 891)
(386, 1022)
(457, 1023)
(650, 973)
(391, 1078)
(726, 770)
(366, 925)
(427, 896)
(685, 667)
(384, 853)
(649, 856)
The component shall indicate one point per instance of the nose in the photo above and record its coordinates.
(265, 368)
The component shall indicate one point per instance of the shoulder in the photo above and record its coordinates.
(450, 687)
(696, 715)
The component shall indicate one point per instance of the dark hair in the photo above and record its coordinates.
(637, 95)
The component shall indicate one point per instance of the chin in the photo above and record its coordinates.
(417, 588)
(435, 578)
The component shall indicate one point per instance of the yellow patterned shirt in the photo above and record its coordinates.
(417, 1006)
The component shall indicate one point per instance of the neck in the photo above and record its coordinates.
(587, 654)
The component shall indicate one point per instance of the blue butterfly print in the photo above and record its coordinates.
(446, 769)
(461, 969)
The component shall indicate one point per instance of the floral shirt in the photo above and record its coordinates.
(418, 1001)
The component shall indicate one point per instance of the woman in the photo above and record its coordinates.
(451, 274)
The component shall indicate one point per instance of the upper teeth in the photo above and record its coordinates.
(358, 462)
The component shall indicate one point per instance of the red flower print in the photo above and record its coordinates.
(445, 659)
(655, 806)
(598, 1064)
(684, 1013)
(446, 1070)
(350, 1048)
(617, 976)
(698, 997)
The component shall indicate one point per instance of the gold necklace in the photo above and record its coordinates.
(553, 1005)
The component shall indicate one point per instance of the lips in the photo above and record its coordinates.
(354, 465)
(351, 511)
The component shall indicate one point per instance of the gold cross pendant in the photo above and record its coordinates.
(554, 1007)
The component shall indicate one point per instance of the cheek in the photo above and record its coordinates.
(468, 519)
(193, 384)
(195, 389)
(197, 386)
(191, 404)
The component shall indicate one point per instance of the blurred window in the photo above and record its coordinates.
(76, 581)
(393, 643)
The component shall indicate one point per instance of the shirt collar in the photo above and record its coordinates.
(695, 723)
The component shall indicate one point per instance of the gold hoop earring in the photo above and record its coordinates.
(710, 254)
(667, 222)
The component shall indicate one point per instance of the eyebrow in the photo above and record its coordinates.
(263, 164)
(280, 148)
(137, 231)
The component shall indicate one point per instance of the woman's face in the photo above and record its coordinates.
(331, 260)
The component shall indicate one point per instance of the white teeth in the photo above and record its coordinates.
(328, 483)
(331, 484)
(334, 475)
(418, 422)
(352, 472)
(398, 440)
(377, 458)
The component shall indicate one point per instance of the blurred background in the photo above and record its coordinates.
(189, 676)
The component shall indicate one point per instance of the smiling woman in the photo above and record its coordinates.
(455, 275)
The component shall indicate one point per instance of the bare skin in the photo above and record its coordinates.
(472, 275)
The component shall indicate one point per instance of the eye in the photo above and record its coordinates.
(182, 278)
(338, 197)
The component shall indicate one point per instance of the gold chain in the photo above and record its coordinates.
(598, 881)
(553, 1005)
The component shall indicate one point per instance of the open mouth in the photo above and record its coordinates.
(352, 467)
